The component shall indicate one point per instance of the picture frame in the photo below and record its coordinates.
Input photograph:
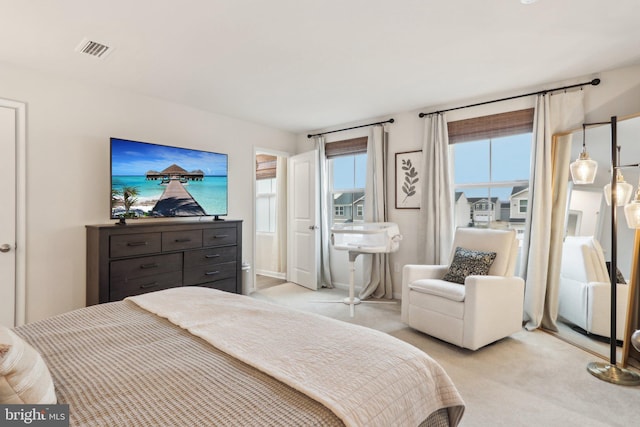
(408, 176)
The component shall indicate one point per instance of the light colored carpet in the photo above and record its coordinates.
(528, 379)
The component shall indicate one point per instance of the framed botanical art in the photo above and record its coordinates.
(408, 179)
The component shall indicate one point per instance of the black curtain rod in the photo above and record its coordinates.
(594, 82)
(355, 127)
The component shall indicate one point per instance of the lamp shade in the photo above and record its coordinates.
(583, 170)
(632, 214)
(624, 191)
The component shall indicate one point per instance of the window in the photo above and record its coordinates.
(266, 205)
(347, 164)
(522, 207)
(266, 193)
(491, 157)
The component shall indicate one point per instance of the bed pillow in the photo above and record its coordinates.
(467, 262)
(24, 377)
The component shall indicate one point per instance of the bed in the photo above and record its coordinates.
(196, 356)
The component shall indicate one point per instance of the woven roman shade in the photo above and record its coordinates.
(346, 147)
(265, 166)
(493, 126)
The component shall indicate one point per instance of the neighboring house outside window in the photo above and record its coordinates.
(462, 210)
(519, 201)
(484, 211)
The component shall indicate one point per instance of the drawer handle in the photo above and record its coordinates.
(149, 285)
(182, 240)
(151, 265)
(212, 256)
(211, 273)
(137, 244)
(220, 236)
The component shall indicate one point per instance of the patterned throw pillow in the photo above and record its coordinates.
(619, 277)
(467, 262)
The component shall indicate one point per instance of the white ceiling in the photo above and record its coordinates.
(303, 65)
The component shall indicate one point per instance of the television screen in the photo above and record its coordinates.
(151, 181)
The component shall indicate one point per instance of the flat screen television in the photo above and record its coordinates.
(158, 181)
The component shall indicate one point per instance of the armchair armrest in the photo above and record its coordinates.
(484, 291)
(413, 272)
(599, 308)
(493, 308)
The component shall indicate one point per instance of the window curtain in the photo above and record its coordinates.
(436, 219)
(325, 220)
(377, 274)
(279, 248)
(542, 245)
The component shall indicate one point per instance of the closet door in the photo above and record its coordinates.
(7, 216)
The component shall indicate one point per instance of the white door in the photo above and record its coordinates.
(7, 216)
(304, 233)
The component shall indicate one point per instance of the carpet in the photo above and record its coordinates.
(528, 379)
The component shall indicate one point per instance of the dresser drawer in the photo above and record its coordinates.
(141, 285)
(128, 269)
(209, 273)
(210, 256)
(220, 236)
(134, 244)
(180, 240)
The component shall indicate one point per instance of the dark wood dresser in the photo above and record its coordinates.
(125, 260)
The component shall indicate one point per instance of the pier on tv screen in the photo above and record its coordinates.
(150, 181)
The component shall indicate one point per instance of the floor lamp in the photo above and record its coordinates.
(610, 372)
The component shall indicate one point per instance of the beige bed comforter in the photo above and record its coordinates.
(367, 378)
(118, 365)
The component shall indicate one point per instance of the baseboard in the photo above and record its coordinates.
(274, 274)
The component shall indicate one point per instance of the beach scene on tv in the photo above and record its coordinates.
(150, 180)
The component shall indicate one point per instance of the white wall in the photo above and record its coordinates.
(588, 203)
(618, 94)
(68, 128)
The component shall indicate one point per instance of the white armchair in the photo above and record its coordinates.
(483, 310)
(585, 291)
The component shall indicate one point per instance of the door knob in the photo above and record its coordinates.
(5, 248)
(313, 227)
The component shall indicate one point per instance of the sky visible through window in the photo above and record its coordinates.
(508, 159)
(510, 162)
(349, 173)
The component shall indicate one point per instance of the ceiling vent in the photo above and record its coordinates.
(94, 49)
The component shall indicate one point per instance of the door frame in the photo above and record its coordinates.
(20, 109)
(271, 152)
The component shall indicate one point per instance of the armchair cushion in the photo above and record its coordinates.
(467, 262)
(441, 288)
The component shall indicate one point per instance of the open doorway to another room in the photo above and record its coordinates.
(270, 258)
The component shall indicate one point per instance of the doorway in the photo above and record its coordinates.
(12, 215)
(270, 256)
